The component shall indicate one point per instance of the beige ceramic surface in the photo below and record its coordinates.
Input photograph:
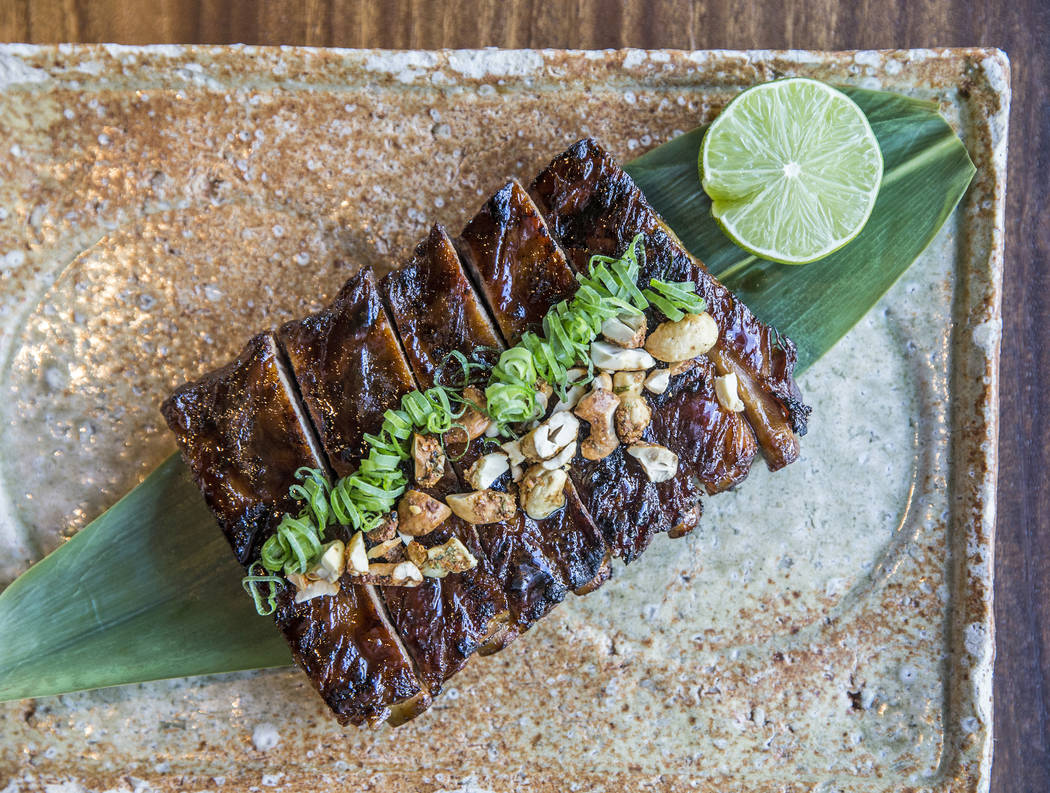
(826, 629)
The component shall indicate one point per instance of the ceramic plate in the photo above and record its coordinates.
(828, 628)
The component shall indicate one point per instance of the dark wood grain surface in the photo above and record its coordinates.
(1022, 28)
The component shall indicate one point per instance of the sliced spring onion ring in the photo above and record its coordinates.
(264, 604)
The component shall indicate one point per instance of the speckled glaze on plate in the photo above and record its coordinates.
(826, 629)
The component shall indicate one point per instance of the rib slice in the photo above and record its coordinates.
(593, 206)
(436, 312)
(243, 435)
(522, 273)
(350, 369)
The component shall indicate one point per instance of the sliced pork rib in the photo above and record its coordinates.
(522, 273)
(350, 369)
(436, 312)
(243, 435)
(381, 652)
(593, 206)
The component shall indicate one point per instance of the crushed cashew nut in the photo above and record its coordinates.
(543, 491)
(659, 462)
(612, 358)
(727, 389)
(658, 381)
(482, 506)
(389, 551)
(357, 555)
(633, 414)
(486, 470)
(625, 330)
(449, 557)
(598, 409)
(331, 564)
(419, 513)
(691, 336)
(307, 589)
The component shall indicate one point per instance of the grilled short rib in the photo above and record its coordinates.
(351, 370)
(593, 206)
(436, 312)
(243, 434)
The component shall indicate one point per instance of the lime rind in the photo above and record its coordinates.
(793, 170)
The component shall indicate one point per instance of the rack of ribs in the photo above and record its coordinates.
(307, 395)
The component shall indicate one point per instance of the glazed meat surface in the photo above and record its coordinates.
(243, 436)
(593, 206)
(537, 560)
(351, 369)
(615, 491)
(444, 621)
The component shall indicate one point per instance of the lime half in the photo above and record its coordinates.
(792, 168)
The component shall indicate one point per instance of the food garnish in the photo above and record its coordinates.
(792, 168)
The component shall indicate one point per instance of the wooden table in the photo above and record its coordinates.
(1021, 27)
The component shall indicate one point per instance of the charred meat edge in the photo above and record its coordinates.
(348, 355)
(247, 517)
(461, 323)
(593, 206)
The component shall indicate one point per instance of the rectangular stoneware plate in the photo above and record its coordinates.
(825, 629)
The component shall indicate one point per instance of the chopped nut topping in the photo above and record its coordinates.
(562, 458)
(543, 491)
(307, 589)
(633, 414)
(356, 554)
(429, 459)
(331, 564)
(658, 381)
(598, 409)
(550, 437)
(691, 336)
(659, 462)
(420, 514)
(450, 557)
(416, 553)
(386, 530)
(612, 358)
(394, 574)
(626, 330)
(482, 506)
(390, 551)
(727, 389)
(486, 470)
(474, 419)
(513, 450)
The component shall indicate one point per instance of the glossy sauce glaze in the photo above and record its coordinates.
(349, 369)
(593, 206)
(243, 435)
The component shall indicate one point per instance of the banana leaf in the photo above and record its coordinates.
(150, 590)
